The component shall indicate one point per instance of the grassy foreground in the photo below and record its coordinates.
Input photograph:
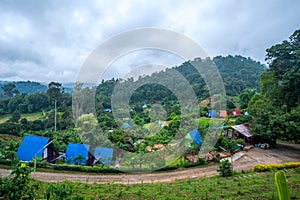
(243, 186)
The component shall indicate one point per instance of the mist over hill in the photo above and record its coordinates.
(238, 73)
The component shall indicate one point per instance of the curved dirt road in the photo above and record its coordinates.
(283, 153)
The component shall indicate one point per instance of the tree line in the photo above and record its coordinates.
(275, 111)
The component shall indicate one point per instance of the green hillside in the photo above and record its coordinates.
(24, 87)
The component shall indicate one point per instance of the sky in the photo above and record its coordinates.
(50, 40)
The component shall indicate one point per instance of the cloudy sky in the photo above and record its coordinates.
(50, 40)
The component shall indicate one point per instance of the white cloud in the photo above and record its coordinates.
(48, 41)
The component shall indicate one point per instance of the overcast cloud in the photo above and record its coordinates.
(49, 40)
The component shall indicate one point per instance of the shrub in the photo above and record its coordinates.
(201, 161)
(270, 167)
(10, 128)
(226, 143)
(240, 141)
(225, 169)
(59, 191)
(17, 184)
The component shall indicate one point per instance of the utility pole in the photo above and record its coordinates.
(55, 115)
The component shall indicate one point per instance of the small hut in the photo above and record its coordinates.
(77, 153)
(243, 132)
(236, 112)
(212, 113)
(36, 146)
(105, 155)
(223, 114)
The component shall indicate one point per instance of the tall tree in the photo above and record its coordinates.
(55, 91)
(245, 97)
(284, 61)
(10, 90)
(275, 110)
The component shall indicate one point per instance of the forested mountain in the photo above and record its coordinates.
(25, 87)
(238, 73)
(30, 87)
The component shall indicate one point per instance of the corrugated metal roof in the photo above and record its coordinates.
(242, 129)
(30, 146)
(74, 150)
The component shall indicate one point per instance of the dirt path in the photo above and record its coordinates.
(283, 153)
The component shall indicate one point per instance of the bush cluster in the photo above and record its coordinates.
(270, 167)
(225, 169)
(17, 185)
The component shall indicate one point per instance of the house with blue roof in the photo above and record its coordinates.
(212, 113)
(127, 126)
(77, 153)
(104, 155)
(37, 146)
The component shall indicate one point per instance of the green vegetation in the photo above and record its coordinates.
(272, 104)
(33, 113)
(278, 166)
(27, 116)
(59, 191)
(23, 87)
(275, 112)
(282, 186)
(225, 168)
(18, 185)
(241, 186)
(239, 73)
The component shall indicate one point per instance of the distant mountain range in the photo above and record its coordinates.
(30, 87)
(237, 72)
(26, 87)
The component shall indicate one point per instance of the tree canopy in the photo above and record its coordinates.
(276, 111)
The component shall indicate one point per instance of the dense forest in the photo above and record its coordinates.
(270, 96)
(275, 111)
(238, 73)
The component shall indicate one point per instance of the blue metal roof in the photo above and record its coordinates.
(220, 127)
(105, 154)
(107, 109)
(212, 113)
(30, 146)
(195, 135)
(128, 126)
(74, 150)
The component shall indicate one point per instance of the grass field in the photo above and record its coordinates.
(243, 186)
(28, 116)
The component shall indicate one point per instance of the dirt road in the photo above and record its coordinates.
(283, 153)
